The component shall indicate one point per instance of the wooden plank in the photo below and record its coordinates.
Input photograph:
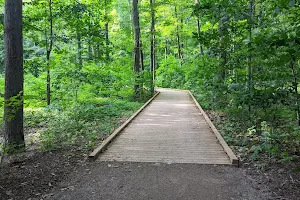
(168, 160)
(106, 142)
(161, 156)
(234, 160)
(188, 140)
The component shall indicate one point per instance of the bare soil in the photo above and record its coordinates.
(138, 181)
(67, 174)
(35, 173)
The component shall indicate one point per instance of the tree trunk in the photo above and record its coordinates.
(79, 50)
(152, 44)
(90, 50)
(295, 86)
(107, 41)
(49, 50)
(14, 76)
(223, 48)
(199, 31)
(142, 57)
(178, 37)
(106, 33)
(137, 56)
(97, 51)
(166, 49)
(249, 68)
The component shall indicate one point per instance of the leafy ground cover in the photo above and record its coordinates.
(79, 123)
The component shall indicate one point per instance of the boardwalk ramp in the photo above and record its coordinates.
(170, 130)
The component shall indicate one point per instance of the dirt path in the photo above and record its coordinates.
(141, 181)
(170, 130)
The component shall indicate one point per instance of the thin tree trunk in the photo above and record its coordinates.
(223, 51)
(90, 50)
(137, 56)
(14, 76)
(142, 57)
(49, 50)
(249, 68)
(152, 44)
(107, 41)
(166, 43)
(166, 49)
(295, 86)
(80, 61)
(79, 50)
(181, 42)
(106, 33)
(98, 54)
(223, 71)
(178, 37)
(199, 31)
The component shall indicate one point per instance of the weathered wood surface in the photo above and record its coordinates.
(170, 130)
(106, 142)
(233, 159)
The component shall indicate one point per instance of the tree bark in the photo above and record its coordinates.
(107, 41)
(97, 52)
(199, 31)
(223, 47)
(166, 49)
(152, 44)
(49, 50)
(14, 76)
(295, 86)
(90, 50)
(142, 57)
(249, 68)
(178, 37)
(106, 33)
(137, 55)
(79, 50)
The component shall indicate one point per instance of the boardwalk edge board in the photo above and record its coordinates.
(233, 159)
(106, 142)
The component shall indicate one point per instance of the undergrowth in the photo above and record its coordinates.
(75, 123)
(257, 141)
(83, 123)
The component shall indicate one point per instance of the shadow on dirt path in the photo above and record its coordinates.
(111, 180)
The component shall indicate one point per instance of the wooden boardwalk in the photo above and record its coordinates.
(170, 130)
